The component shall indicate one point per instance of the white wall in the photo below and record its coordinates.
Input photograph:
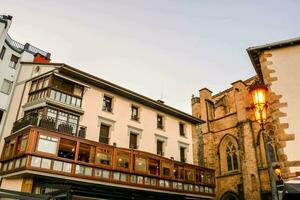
(92, 106)
(286, 63)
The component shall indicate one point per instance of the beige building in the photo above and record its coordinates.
(231, 143)
(70, 131)
(278, 65)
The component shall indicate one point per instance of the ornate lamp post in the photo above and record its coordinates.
(259, 97)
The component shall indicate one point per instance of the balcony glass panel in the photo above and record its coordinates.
(103, 156)
(140, 164)
(67, 167)
(46, 163)
(147, 180)
(140, 180)
(57, 165)
(105, 174)
(35, 161)
(153, 181)
(133, 178)
(17, 163)
(47, 144)
(123, 160)
(67, 148)
(85, 152)
(23, 162)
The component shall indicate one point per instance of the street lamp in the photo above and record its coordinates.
(258, 94)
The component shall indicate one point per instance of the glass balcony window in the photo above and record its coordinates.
(47, 144)
(147, 180)
(17, 163)
(140, 164)
(35, 161)
(153, 181)
(140, 180)
(133, 178)
(67, 167)
(123, 160)
(65, 98)
(46, 163)
(57, 166)
(23, 162)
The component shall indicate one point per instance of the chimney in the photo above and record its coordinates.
(160, 101)
(39, 58)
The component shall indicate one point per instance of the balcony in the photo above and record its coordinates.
(35, 150)
(49, 123)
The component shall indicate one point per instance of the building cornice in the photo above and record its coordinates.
(254, 52)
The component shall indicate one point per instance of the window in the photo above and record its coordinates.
(159, 147)
(67, 148)
(9, 148)
(107, 104)
(166, 169)
(272, 153)
(133, 140)
(231, 157)
(65, 98)
(2, 52)
(47, 144)
(104, 134)
(123, 160)
(134, 113)
(85, 152)
(189, 175)
(22, 143)
(13, 61)
(182, 154)
(6, 86)
(1, 115)
(160, 124)
(140, 164)
(178, 172)
(153, 167)
(181, 129)
(103, 156)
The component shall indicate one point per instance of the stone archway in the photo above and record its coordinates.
(230, 196)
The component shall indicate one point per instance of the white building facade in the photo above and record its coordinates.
(11, 54)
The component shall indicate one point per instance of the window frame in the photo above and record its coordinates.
(9, 88)
(2, 53)
(104, 103)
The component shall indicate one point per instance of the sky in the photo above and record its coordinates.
(163, 49)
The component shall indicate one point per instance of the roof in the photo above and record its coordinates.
(254, 52)
(116, 89)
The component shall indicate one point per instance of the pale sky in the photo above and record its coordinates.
(162, 49)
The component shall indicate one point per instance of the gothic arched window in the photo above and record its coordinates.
(272, 153)
(232, 158)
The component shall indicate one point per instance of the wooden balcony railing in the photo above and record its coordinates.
(49, 123)
(47, 152)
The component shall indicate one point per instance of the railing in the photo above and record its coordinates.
(50, 123)
(14, 44)
(28, 47)
(34, 50)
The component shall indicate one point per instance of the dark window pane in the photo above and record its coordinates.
(133, 141)
(229, 164)
(107, 104)
(104, 134)
(134, 113)
(182, 154)
(159, 147)
(181, 129)
(159, 122)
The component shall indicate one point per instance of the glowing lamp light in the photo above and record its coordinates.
(258, 95)
(277, 171)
